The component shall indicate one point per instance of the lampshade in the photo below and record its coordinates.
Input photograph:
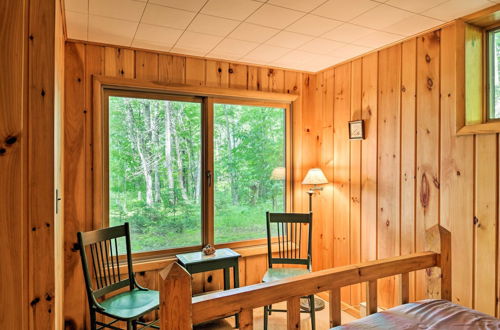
(279, 173)
(315, 176)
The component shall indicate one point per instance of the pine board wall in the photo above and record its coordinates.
(84, 60)
(410, 172)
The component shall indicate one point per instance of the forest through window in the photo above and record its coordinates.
(155, 170)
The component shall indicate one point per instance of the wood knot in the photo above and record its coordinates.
(427, 58)
(387, 223)
(75, 247)
(48, 297)
(122, 72)
(31, 37)
(430, 83)
(43, 92)
(424, 191)
(403, 89)
(219, 70)
(230, 70)
(10, 140)
(458, 173)
(2, 151)
(79, 79)
(475, 221)
(34, 301)
(270, 72)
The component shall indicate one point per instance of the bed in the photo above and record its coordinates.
(425, 314)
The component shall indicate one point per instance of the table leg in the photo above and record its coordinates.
(236, 279)
(227, 284)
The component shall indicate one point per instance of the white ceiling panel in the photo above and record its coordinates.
(129, 10)
(288, 39)
(344, 10)
(347, 33)
(456, 8)
(252, 32)
(415, 6)
(413, 24)
(234, 9)
(111, 30)
(296, 34)
(160, 35)
(301, 5)
(274, 16)
(381, 17)
(77, 25)
(213, 25)
(232, 49)
(322, 46)
(313, 25)
(190, 5)
(168, 17)
(81, 6)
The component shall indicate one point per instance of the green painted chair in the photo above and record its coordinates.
(289, 230)
(100, 247)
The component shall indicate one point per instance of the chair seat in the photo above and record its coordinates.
(131, 304)
(275, 274)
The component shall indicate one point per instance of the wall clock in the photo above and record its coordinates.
(356, 130)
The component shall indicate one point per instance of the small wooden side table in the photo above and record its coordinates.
(198, 262)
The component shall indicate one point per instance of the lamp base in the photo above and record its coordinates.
(319, 304)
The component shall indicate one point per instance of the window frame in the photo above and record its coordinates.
(104, 87)
(489, 61)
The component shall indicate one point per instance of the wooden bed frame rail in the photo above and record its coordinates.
(178, 310)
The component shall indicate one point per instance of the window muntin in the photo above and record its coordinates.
(249, 169)
(494, 74)
(154, 158)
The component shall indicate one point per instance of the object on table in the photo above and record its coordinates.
(208, 250)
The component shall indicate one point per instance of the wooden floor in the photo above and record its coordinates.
(277, 321)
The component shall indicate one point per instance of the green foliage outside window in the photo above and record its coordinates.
(494, 73)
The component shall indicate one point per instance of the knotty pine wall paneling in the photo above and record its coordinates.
(412, 171)
(85, 60)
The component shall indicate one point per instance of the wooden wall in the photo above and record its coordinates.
(84, 60)
(410, 172)
(31, 100)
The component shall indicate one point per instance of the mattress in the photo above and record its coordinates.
(426, 314)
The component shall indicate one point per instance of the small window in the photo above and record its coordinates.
(494, 74)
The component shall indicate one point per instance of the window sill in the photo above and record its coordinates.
(485, 128)
(160, 262)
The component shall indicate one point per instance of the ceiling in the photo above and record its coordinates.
(307, 35)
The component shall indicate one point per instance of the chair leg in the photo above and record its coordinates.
(134, 325)
(93, 325)
(266, 313)
(313, 312)
(129, 325)
(270, 309)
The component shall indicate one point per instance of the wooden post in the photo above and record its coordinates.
(246, 319)
(438, 239)
(175, 298)
(335, 310)
(371, 297)
(404, 288)
(293, 313)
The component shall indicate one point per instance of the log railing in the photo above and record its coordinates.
(179, 311)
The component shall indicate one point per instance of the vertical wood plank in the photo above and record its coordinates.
(293, 313)
(388, 189)
(246, 319)
(341, 116)
(335, 307)
(486, 215)
(195, 71)
(404, 288)
(428, 109)
(175, 289)
(75, 181)
(238, 76)
(355, 176)
(217, 74)
(457, 174)
(371, 297)
(171, 69)
(146, 65)
(119, 62)
(408, 148)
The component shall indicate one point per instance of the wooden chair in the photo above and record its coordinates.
(127, 306)
(291, 230)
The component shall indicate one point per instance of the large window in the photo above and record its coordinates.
(249, 168)
(154, 170)
(494, 74)
(188, 171)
